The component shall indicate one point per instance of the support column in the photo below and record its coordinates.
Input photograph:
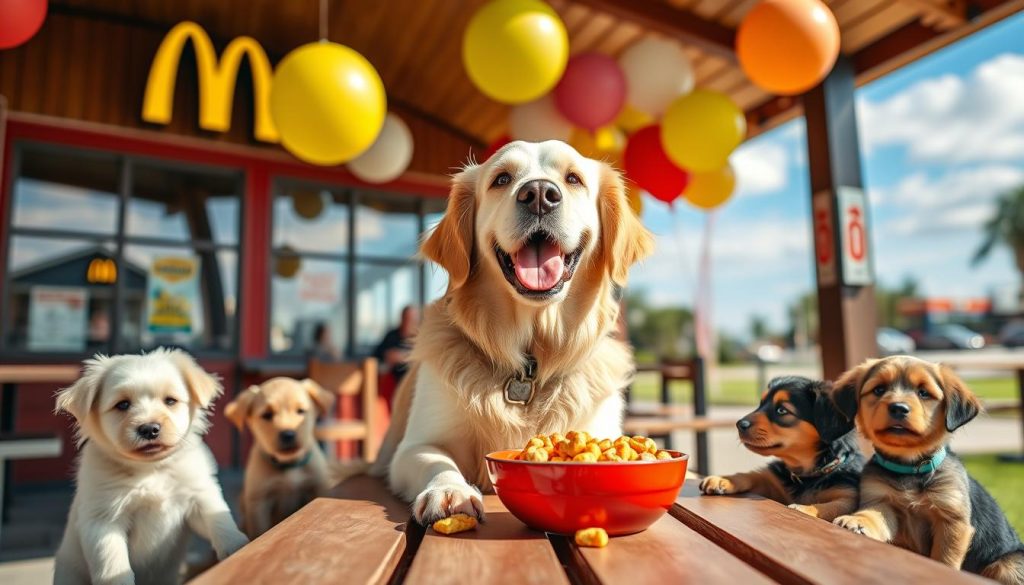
(847, 316)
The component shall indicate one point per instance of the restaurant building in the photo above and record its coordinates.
(119, 235)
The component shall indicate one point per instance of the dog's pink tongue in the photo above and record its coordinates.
(539, 267)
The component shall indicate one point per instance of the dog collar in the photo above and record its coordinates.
(519, 388)
(929, 465)
(820, 471)
(282, 466)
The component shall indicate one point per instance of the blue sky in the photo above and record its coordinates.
(940, 139)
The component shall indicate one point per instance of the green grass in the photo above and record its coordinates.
(647, 387)
(1004, 481)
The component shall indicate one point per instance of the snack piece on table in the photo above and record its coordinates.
(593, 537)
(454, 524)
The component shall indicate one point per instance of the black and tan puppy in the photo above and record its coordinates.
(915, 493)
(818, 465)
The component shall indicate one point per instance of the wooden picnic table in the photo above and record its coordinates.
(360, 534)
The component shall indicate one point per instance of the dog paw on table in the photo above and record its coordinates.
(857, 525)
(714, 485)
(446, 500)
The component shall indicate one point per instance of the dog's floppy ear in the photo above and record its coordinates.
(323, 399)
(846, 390)
(624, 240)
(961, 404)
(238, 409)
(78, 398)
(450, 245)
(830, 422)
(203, 386)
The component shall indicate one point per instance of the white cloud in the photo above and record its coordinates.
(954, 119)
(761, 167)
(960, 199)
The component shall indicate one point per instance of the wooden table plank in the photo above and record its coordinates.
(502, 550)
(38, 374)
(794, 548)
(358, 535)
(667, 552)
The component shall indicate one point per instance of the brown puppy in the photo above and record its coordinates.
(914, 493)
(286, 468)
(818, 467)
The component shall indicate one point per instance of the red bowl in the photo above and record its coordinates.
(563, 497)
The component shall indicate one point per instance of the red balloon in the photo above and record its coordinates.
(592, 91)
(495, 146)
(649, 167)
(20, 21)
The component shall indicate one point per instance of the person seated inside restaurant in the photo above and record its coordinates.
(393, 352)
(323, 348)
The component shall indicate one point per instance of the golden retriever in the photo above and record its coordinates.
(537, 242)
(286, 468)
(144, 476)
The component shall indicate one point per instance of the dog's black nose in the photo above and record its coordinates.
(899, 410)
(743, 424)
(286, 437)
(539, 196)
(148, 431)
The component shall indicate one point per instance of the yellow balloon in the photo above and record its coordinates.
(636, 200)
(603, 144)
(701, 129)
(515, 51)
(327, 102)
(709, 190)
(632, 119)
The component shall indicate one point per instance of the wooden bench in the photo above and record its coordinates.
(361, 534)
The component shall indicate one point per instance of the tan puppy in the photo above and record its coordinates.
(914, 492)
(144, 476)
(286, 468)
(537, 242)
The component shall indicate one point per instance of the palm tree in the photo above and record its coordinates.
(1006, 226)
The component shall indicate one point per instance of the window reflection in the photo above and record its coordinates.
(308, 294)
(388, 228)
(310, 219)
(381, 293)
(69, 192)
(182, 205)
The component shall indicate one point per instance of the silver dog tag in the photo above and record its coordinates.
(518, 391)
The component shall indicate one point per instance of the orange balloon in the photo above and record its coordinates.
(788, 46)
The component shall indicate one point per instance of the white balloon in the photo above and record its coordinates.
(537, 121)
(657, 72)
(389, 156)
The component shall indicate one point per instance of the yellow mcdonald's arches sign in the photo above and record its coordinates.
(216, 80)
(101, 271)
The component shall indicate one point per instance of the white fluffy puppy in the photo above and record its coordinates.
(144, 476)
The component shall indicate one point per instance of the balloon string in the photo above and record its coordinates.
(323, 20)
(685, 270)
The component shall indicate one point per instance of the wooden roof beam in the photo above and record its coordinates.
(683, 25)
(944, 14)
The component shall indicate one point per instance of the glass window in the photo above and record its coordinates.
(60, 294)
(382, 291)
(386, 227)
(70, 192)
(310, 219)
(176, 296)
(183, 205)
(309, 315)
(343, 267)
(71, 289)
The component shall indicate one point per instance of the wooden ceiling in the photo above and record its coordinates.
(416, 44)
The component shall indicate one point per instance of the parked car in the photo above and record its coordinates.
(951, 336)
(893, 341)
(1012, 334)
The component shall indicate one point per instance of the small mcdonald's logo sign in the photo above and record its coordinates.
(101, 271)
